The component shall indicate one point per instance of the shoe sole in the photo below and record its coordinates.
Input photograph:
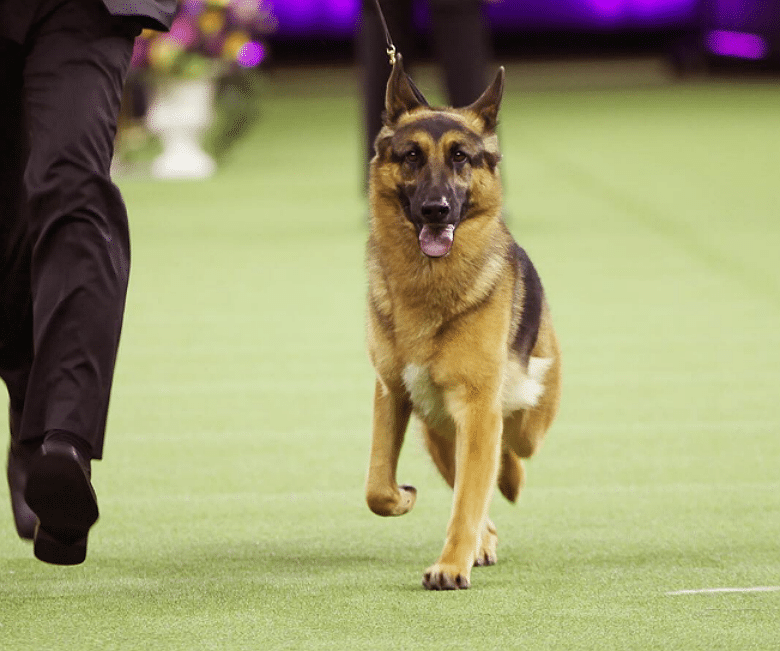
(60, 494)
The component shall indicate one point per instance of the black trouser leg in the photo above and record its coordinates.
(15, 298)
(462, 45)
(73, 78)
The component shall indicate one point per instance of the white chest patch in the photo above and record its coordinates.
(427, 398)
(522, 390)
(519, 390)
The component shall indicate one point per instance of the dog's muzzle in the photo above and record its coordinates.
(436, 234)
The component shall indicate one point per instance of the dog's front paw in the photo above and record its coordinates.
(395, 503)
(445, 577)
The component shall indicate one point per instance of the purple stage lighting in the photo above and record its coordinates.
(737, 44)
(607, 9)
(341, 17)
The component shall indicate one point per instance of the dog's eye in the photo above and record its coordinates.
(459, 156)
(412, 156)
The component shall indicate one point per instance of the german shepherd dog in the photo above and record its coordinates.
(459, 331)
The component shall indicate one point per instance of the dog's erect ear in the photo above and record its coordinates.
(486, 107)
(402, 95)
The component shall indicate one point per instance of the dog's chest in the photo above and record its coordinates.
(427, 398)
(520, 389)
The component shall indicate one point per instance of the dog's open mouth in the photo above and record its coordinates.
(436, 239)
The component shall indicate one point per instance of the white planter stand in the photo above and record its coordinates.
(179, 114)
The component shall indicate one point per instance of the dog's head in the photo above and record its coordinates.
(440, 163)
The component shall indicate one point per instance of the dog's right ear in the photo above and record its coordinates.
(402, 95)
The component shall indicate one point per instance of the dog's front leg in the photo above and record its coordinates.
(478, 423)
(391, 416)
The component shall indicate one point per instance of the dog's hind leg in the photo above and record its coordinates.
(442, 451)
(391, 416)
(511, 476)
(525, 429)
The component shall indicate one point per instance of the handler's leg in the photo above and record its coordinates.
(78, 223)
(16, 350)
(463, 48)
(73, 80)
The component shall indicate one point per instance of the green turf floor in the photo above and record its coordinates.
(232, 488)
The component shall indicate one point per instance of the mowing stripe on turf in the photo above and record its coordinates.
(767, 588)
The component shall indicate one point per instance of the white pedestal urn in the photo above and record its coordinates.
(181, 110)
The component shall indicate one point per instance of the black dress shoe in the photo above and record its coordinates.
(60, 493)
(19, 456)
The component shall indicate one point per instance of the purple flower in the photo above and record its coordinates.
(250, 54)
(183, 32)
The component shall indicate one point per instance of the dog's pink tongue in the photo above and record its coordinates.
(436, 241)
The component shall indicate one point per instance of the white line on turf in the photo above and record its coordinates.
(766, 588)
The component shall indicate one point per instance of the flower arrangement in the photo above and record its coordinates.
(207, 36)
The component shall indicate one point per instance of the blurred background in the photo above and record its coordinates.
(218, 52)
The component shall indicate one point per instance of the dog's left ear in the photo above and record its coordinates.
(486, 107)
(402, 95)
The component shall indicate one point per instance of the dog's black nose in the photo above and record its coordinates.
(435, 211)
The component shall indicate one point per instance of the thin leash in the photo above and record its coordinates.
(393, 54)
(391, 51)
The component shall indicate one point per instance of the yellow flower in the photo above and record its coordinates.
(233, 44)
(163, 53)
(212, 21)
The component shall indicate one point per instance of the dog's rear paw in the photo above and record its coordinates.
(485, 558)
(394, 504)
(444, 577)
(487, 548)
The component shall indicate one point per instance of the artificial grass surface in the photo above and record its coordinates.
(232, 489)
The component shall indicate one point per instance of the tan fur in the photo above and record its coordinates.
(439, 336)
